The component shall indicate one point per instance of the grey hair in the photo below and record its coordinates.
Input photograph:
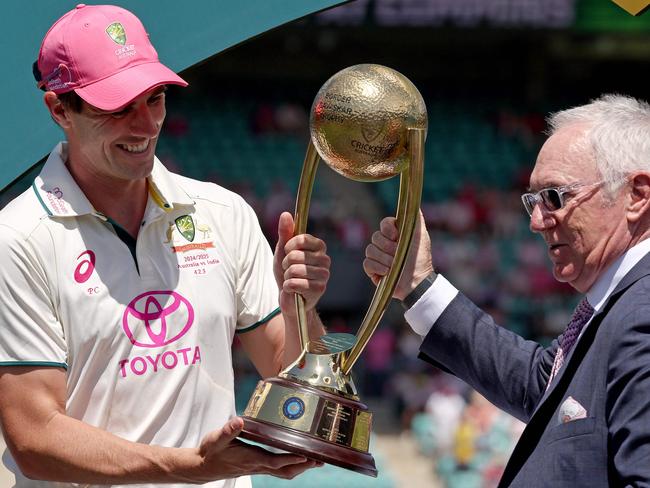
(617, 130)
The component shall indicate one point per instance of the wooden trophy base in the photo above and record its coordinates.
(311, 422)
(310, 447)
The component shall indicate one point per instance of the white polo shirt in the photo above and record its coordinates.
(144, 336)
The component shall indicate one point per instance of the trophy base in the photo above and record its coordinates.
(310, 447)
(309, 421)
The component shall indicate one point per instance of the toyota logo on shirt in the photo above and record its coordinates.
(157, 318)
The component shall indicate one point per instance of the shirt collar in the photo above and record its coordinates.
(60, 195)
(164, 190)
(607, 282)
(55, 188)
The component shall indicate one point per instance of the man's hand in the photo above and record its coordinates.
(49, 445)
(380, 254)
(224, 456)
(300, 265)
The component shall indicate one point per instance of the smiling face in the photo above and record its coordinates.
(116, 146)
(590, 232)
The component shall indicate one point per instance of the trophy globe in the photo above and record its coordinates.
(360, 118)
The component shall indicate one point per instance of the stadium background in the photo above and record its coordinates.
(490, 71)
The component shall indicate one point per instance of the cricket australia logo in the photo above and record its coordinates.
(117, 33)
(185, 225)
(185, 234)
(371, 133)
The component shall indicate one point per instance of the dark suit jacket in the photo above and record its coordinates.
(607, 372)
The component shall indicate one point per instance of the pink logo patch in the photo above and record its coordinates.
(85, 267)
(157, 318)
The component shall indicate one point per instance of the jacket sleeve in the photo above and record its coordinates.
(503, 367)
(628, 394)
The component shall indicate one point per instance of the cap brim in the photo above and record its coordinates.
(120, 89)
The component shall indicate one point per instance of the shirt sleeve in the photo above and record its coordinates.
(30, 332)
(257, 292)
(424, 313)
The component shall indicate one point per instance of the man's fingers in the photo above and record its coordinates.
(305, 242)
(302, 286)
(231, 429)
(388, 227)
(228, 457)
(305, 258)
(220, 439)
(374, 269)
(285, 231)
(291, 471)
(307, 272)
(382, 242)
(375, 253)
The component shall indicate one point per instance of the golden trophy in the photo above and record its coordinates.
(368, 123)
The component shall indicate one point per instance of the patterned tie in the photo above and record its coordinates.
(580, 317)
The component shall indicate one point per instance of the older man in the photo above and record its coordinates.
(584, 398)
(116, 314)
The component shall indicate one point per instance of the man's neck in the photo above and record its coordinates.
(614, 273)
(123, 201)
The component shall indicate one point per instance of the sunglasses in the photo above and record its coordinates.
(552, 198)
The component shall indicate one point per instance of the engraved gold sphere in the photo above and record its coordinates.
(359, 121)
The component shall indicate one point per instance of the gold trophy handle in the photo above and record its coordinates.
(410, 194)
(307, 177)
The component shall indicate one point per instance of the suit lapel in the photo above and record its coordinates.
(554, 395)
(550, 401)
(641, 269)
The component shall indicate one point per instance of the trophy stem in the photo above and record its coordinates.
(407, 213)
(303, 199)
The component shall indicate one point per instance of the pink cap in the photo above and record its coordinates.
(103, 53)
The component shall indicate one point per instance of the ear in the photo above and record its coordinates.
(639, 201)
(58, 111)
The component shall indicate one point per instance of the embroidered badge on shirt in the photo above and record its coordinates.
(571, 410)
(185, 225)
(190, 238)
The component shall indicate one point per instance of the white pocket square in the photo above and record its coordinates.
(571, 410)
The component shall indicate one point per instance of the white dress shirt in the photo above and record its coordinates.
(426, 311)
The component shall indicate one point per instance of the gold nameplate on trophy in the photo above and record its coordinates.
(368, 123)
